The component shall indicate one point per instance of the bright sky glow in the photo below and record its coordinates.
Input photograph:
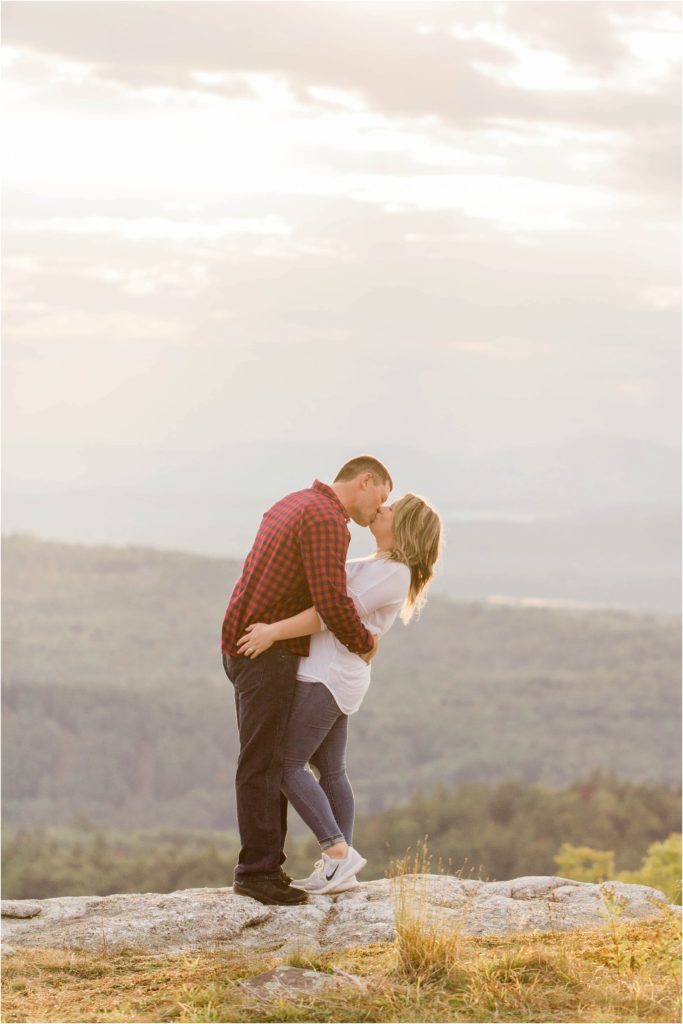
(469, 217)
(533, 69)
(170, 148)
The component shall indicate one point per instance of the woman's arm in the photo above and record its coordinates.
(259, 637)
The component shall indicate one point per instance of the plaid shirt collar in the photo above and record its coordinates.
(327, 490)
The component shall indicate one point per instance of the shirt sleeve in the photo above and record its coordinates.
(389, 591)
(324, 543)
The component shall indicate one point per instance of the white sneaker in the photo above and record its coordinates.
(301, 883)
(350, 883)
(330, 874)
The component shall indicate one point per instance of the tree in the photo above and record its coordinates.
(584, 864)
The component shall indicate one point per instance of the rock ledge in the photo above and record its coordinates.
(194, 919)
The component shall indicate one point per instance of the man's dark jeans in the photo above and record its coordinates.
(264, 692)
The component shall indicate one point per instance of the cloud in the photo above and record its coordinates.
(232, 97)
(660, 297)
(326, 213)
(176, 147)
(376, 50)
(152, 228)
(374, 281)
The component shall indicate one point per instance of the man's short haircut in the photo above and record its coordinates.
(365, 464)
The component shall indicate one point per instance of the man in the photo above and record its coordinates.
(297, 560)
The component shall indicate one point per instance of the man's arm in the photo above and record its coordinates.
(261, 635)
(323, 544)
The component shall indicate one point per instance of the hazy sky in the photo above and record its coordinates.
(450, 225)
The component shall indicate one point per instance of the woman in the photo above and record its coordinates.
(331, 681)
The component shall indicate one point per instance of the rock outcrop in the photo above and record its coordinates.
(217, 919)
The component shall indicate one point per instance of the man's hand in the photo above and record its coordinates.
(367, 658)
(257, 639)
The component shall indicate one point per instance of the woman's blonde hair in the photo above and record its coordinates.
(417, 543)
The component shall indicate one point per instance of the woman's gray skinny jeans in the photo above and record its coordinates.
(316, 734)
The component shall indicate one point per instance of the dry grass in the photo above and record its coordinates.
(426, 950)
(631, 974)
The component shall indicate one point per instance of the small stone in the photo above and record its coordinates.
(20, 908)
(296, 981)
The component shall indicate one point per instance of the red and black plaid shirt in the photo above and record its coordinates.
(297, 560)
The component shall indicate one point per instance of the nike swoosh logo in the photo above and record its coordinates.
(330, 877)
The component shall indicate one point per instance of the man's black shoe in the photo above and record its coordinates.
(279, 874)
(272, 891)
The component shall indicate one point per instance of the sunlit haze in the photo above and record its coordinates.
(452, 227)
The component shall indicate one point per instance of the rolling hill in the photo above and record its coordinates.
(116, 705)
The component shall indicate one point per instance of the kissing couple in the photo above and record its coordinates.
(299, 633)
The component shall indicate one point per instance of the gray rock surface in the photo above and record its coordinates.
(217, 919)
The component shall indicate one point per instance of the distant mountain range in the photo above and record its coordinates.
(628, 557)
(596, 520)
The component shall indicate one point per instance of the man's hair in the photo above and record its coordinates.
(365, 464)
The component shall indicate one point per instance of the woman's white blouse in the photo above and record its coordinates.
(378, 588)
